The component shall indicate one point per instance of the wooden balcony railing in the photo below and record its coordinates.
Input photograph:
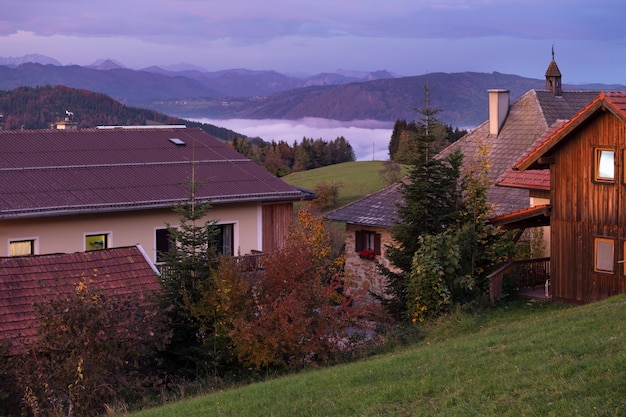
(526, 274)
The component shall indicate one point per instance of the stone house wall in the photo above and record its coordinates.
(364, 271)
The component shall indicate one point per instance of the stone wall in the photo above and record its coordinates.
(365, 271)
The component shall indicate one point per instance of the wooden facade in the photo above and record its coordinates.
(588, 216)
(277, 219)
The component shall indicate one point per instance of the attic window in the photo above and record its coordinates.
(177, 142)
(604, 165)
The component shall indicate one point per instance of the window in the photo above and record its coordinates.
(162, 244)
(22, 247)
(96, 242)
(603, 257)
(367, 240)
(224, 239)
(604, 165)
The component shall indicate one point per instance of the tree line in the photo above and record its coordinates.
(281, 159)
(403, 145)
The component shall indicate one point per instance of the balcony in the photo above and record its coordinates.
(530, 278)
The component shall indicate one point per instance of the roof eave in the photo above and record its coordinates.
(151, 205)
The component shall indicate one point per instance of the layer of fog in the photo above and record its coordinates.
(368, 138)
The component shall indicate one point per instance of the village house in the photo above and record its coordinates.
(70, 190)
(585, 159)
(509, 131)
(28, 280)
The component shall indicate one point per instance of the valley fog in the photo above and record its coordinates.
(368, 138)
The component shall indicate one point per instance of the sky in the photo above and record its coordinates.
(404, 37)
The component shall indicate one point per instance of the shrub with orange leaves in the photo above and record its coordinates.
(295, 311)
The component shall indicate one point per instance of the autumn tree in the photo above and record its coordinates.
(391, 172)
(295, 311)
(325, 195)
(92, 349)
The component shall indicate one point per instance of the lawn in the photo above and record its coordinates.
(357, 179)
(520, 359)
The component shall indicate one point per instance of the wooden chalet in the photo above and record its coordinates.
(586, 160)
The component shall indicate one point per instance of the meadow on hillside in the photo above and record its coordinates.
(521, 358)
(356, 179)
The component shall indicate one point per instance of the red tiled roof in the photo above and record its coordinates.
(531, 180)
(50, 172)
(528, 217)
(27, 280)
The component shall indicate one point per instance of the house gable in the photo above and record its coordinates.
(588, 227)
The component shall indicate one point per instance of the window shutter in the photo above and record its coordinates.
(359, 241)
(377, 244)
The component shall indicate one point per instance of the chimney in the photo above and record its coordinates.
(68, 123)
(498, 110)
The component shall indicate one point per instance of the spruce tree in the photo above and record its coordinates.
(430, 205)
(191, 257)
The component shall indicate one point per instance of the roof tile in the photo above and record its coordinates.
(27, 280)
(60, 171)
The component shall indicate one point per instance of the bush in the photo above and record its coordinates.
(325, 195)
(295, 312)
(91, 350)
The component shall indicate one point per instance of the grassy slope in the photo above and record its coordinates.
(531, 359)
(357, 179)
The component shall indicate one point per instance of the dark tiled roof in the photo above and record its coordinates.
(529, 117)
(62, 172)
(377, 209)
(27, 280)
(612, 101)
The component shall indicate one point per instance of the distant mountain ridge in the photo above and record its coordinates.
(189, 92)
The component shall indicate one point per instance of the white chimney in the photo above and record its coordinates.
(498, 110)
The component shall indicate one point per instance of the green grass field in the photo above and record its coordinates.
(520, 359)
(357, 179)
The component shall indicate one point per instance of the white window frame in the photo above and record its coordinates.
(601, 167)
(109, 239)
(34, 240)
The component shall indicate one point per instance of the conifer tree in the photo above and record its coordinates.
(431, 204)
(191, 257)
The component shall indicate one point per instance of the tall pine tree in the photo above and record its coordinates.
(431, 204)
(191, 257)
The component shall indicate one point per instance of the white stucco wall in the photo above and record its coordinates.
(66, 234)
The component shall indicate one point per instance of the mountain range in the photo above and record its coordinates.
(191, 92)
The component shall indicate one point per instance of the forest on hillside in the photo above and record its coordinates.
(40, 107)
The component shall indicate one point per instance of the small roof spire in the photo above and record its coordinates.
(553, 77)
